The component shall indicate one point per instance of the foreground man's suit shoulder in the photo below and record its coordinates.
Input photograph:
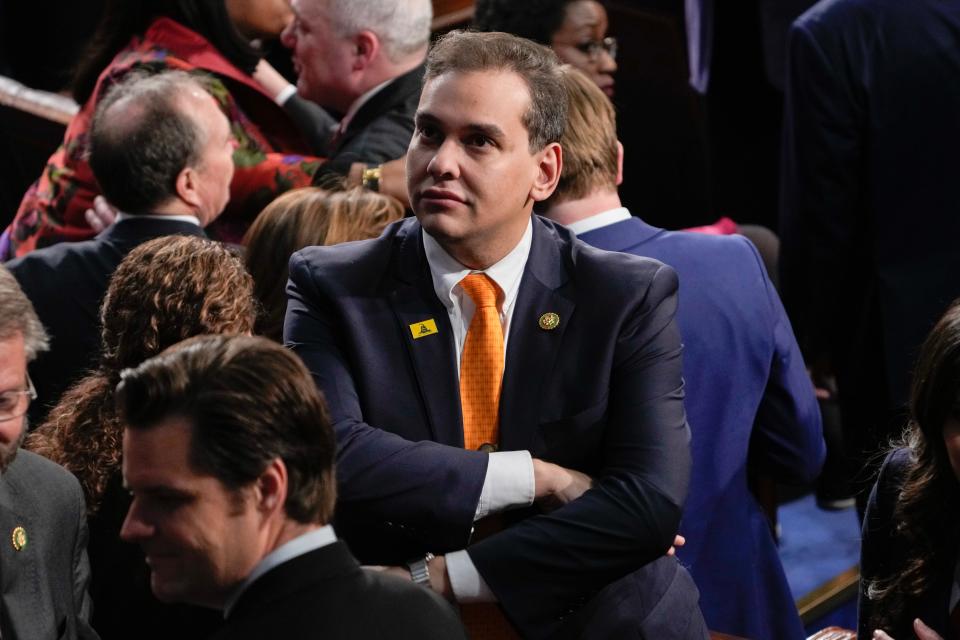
(326, 593)
(44, 582)
(600, 393)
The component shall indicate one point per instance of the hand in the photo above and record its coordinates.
(555, 486)
(678, 541)
(269, 78)
(439, 578)
(923, 632)
(101, 216)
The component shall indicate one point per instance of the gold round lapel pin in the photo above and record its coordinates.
(19, 538)
(549, 321)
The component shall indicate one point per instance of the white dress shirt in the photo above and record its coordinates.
(156, 216)
(600, 220)
(509, 480)
(300, 545)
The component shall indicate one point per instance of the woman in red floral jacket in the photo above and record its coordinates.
(212, 36)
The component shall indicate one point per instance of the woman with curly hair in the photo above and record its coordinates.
(164, 291)
(910, 557)
(303, 218)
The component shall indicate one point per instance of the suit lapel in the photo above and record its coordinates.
(26, 607)
(434, 361)
(532, 350)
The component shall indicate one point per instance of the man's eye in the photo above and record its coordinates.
(9, 401)
(478, 140)
(428, 132)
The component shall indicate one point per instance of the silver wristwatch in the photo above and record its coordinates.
(420, 570)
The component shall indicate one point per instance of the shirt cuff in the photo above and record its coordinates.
(465, 581)
(508, 483)
(285, 94)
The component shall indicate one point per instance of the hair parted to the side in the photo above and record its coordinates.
(17, 316)
(142, 136)
(403, 26)
(471, 51)
(165, 290)
(535, 20)
(589, 140)
(927, 513)
(303, 218)
(249, 401)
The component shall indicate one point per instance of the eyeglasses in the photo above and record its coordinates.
(593, 48)
(14, 404)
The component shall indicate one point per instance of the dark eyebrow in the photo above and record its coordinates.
(491, 131)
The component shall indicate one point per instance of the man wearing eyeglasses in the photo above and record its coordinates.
(43, 529)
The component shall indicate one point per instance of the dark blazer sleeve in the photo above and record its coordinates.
(787, 438)
(384, 139)
(314, 123)
(878, 545)
(430, 489)
(548, 565)
(821, 190)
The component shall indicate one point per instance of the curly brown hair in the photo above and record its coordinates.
(303, 218)
(926, 517)
(164, 291)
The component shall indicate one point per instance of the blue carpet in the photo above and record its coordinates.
(815, 546)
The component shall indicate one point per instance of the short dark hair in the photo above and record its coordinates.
(466, 51)
(249, 401)
(535, 20)
(142, 138)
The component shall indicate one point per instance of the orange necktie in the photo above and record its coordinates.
(481, 372)
(481, 364)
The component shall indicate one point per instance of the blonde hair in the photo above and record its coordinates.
(303, 218)
(589, 140)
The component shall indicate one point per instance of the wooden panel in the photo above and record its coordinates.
(451, 14)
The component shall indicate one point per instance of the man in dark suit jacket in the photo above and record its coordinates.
(44, 571)
(161, 152)
(748, 394)
(585, 438)
(870, 207)
(363, 62)
(228, 453)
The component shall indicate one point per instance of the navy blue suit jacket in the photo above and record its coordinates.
(747, 391)
(870, 202)
(882, 552)
(601, 393)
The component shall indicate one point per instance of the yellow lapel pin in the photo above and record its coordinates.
(19, 538)
(423, 329)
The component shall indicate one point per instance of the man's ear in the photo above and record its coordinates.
(271, 487)
(366, 49)
(619, 163)
(188, 187)
(548, 174)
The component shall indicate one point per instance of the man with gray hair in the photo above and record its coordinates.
(44, 566)
(162, 152)
(364, 62)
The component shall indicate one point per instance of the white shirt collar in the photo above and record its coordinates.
(157, 216)
(300, 545)
(507, 272)
(599, 220)
(359, 102)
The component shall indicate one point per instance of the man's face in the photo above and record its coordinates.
(215, 164)
(200, 539)
(470, 173)
(13, 377)
(322, 58)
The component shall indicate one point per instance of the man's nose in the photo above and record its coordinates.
(445, 162)
(135, 527)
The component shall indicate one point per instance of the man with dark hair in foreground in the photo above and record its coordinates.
(228, 453)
